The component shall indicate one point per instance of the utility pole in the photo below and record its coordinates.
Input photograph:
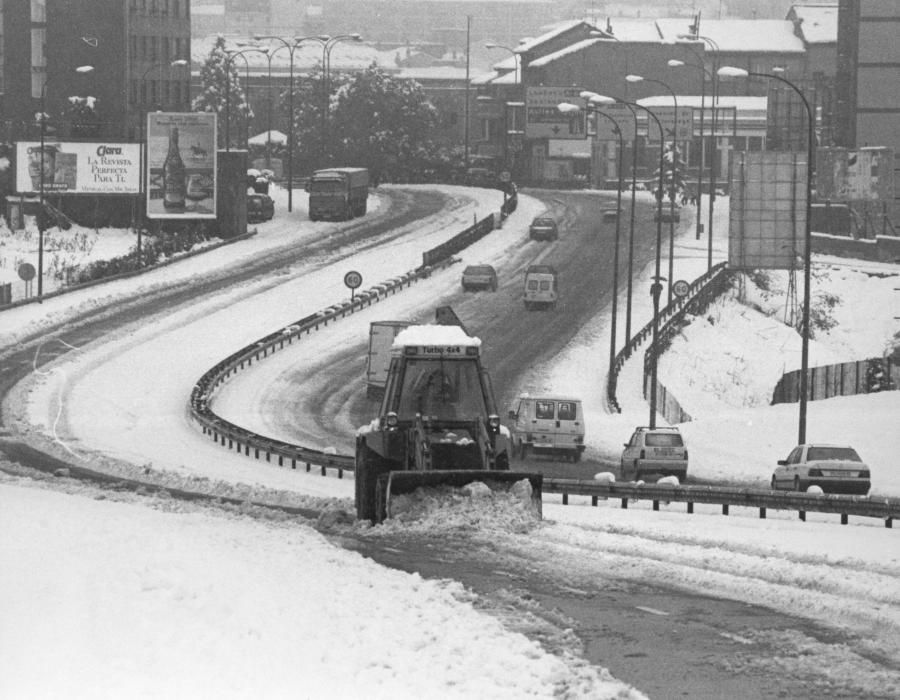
(466, 125)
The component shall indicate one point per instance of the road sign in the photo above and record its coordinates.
(543, 120)
(681, 129)
(26, 272)
(353, 279)
(622, 116)
(681, 288)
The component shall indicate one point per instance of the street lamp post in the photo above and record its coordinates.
(40, 270)
(327, 46)
(229, 57)
(638, 79)
(567, 108)
(598, 101)
(517, 63)
(291, 47)
(674, 63)
(731, 72)
(713, 147)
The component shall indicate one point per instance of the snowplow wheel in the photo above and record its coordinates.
(366, 478)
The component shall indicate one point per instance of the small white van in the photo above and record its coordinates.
(551, 424)
(541, 286)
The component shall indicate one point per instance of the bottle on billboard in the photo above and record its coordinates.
(174, 175)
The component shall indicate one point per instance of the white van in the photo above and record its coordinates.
(547, 424)
(541, 286)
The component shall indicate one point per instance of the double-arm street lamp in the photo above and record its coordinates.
(568, 108)
(291, 46)
(41, 182)
(328, 44)
(632, 78)
(732, 72)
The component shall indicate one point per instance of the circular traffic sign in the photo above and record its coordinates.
(353, 279)
(26, 272)
(681, 288)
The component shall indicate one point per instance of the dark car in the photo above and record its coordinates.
(260, 207)
(479, 277)
(543, 228)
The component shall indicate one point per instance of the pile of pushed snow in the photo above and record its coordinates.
(475, 506)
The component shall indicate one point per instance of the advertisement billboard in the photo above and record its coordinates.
(544, 120)
(845, 175)
(767, 216)
(181, 165)
(72, 167)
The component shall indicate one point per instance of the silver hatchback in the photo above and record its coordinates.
(659, 451)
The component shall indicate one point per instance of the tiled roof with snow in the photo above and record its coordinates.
(739, 35)
(631, 29)
(819, 22)
(529, 44)
(570, 49)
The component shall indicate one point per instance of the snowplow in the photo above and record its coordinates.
(438, 424)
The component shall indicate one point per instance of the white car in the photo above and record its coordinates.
(659, 450)
(833, 468)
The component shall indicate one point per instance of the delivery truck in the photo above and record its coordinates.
(338, 194)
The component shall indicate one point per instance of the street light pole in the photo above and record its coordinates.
(517, 62)
(731, 72)
(674, 63)
(42, 185)
(327, 47)
(567, 108)
(713, 147)
(599, 100)
(637, 79)
(291, 46)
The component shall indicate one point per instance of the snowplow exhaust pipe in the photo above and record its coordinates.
(402, 482)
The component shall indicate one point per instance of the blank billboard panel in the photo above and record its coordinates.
(767, 220)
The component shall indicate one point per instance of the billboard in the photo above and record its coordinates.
(767, 216)
(543, 120)
(844, 175)
(619, 113)
(74, 167)
(181, 165)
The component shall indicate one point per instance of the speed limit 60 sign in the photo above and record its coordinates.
(353, 279)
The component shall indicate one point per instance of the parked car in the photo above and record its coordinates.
(543, 228)
(833, 468)
(479, 277)
(260, 207)
(659, 450)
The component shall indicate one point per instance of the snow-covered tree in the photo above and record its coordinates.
(220, 79)
(381, 121)
(674, 166)
(373, 120)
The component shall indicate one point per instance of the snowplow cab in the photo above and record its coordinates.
(438, 423)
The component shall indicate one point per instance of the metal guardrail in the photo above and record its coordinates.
(234, 437)
(239, 439)
(865, 506)
(698, 292)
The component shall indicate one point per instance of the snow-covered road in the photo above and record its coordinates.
(122, 403)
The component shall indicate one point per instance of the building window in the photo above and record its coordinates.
(39, 11)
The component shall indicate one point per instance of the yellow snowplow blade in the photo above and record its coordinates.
(400, 482)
